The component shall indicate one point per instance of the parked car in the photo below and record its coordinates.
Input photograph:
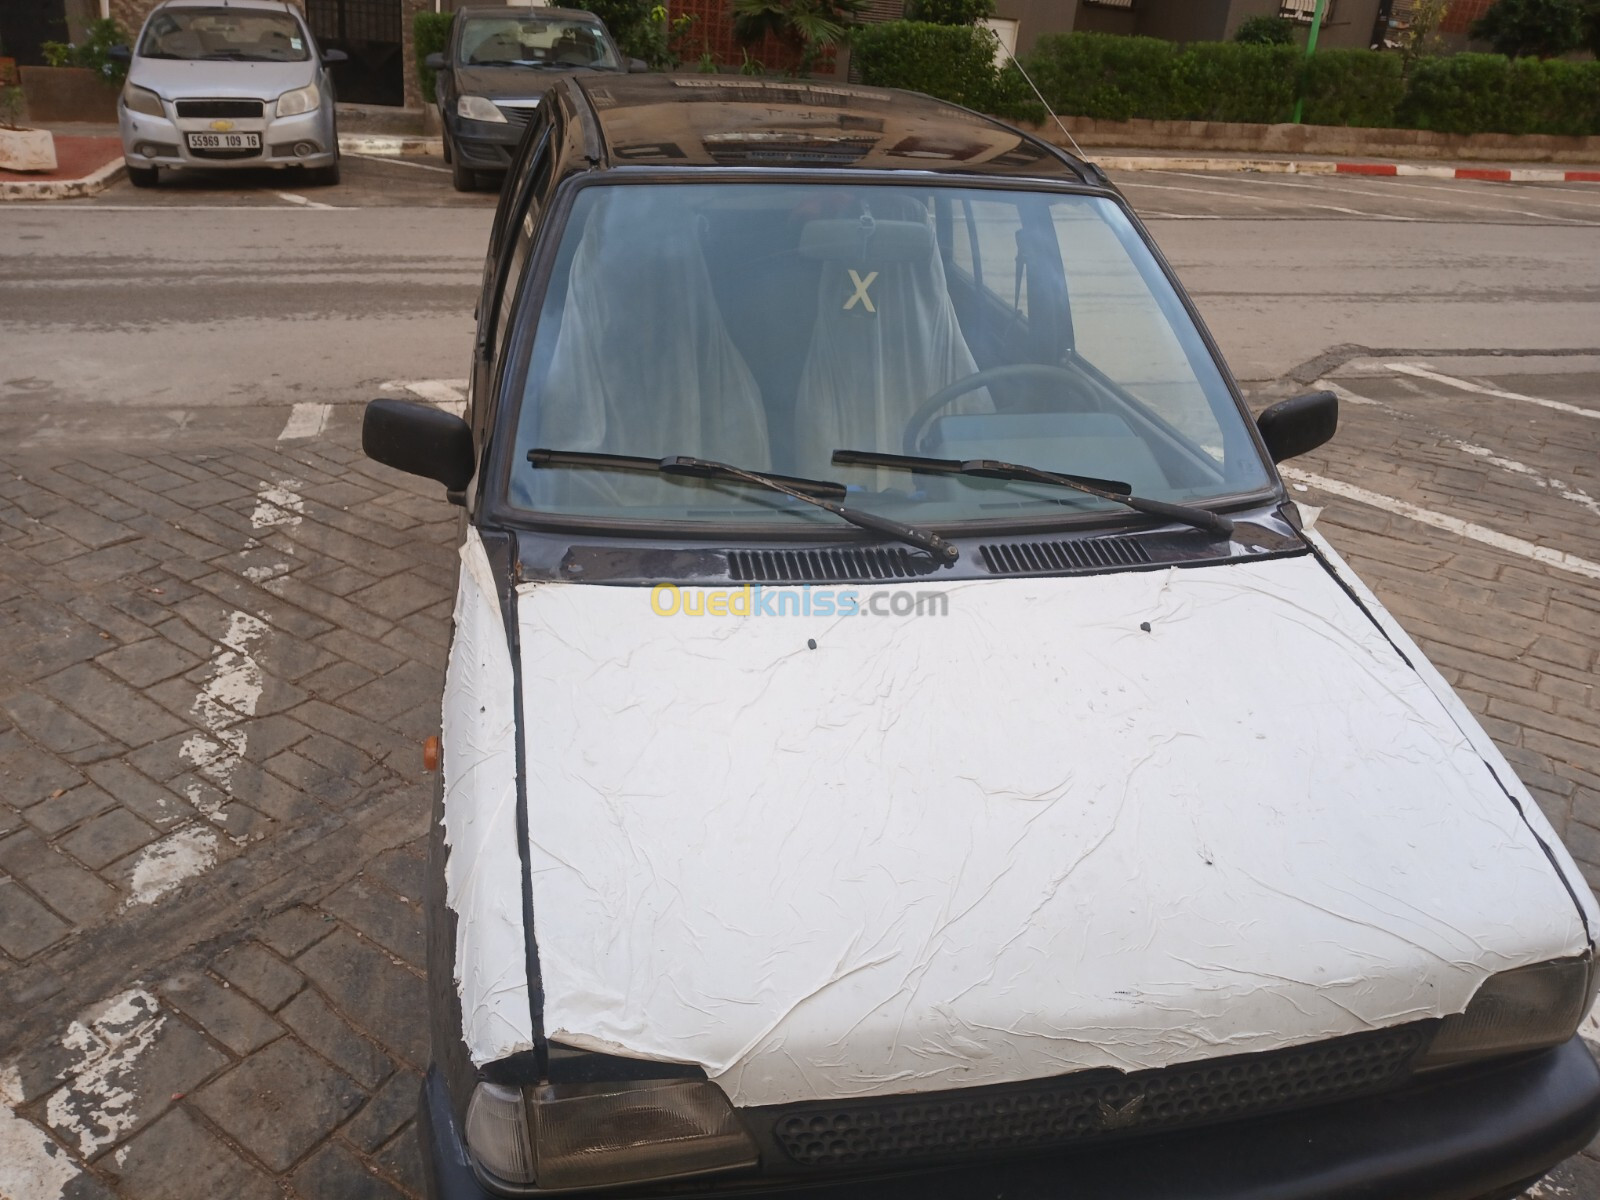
(899, 739)
(499, 64)
(227, 85)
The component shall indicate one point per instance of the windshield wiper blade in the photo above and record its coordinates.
(988, 468)
(819, 493)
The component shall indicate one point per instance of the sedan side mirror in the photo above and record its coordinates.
(637, 66)
(436, 62)
(420, 440)
(1293, 427)
(120, 53)
(334, 56)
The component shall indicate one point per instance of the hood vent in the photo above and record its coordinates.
(1087, 554)
(825, 566)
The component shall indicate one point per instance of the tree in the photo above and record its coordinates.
(1532, 28)
(808, 26)
(949, 12)
(1419, 36)
(1591, 33)
(1265, 31)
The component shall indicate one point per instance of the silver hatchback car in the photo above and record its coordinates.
(228, 83)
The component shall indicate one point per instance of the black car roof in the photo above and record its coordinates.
(735, 121)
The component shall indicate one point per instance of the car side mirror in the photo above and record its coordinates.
(637, 66)
(436, 62)
(120, 53)
(1293, 427)
(420, 439)
(334, 56)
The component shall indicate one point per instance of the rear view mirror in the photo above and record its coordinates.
(420, 440)
(1293, 427)
(119, 53)
(334, 56)
(435, 62)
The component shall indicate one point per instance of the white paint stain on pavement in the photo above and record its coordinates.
(32, 1167)
(166, 864)
(305, 421)
(96, 1106)
(278, 504)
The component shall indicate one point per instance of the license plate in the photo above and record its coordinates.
(224, 141)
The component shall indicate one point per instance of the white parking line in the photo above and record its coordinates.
(293, 198)
(1346, 396)
(305, 420)
(1249, 199)
(399, 162)
(1510, 465)
(1467, 386)
(1559, 559)
(448, 394)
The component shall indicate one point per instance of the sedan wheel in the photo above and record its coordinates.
(464, 178)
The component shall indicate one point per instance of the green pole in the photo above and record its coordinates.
(1311, 48)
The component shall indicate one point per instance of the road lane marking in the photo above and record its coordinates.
(305, 420)
(1559, 559)
(1467, 386)
(295, 198)
(1249, 199)
(31, 1165)
(399, 162)
(448, 394)
(1567, 492)
(1346, 396)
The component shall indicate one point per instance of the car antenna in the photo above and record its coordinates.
(1076, 149)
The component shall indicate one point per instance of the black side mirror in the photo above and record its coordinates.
(1293, 427)
(334, 56)
(637, 66)
(120, 53)
(420, 440)
(436, 62)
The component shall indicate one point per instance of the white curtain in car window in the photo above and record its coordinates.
(643, 363)
(886, 339)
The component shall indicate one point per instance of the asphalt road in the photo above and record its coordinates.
(226, 627)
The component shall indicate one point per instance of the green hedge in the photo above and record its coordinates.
(1352, 87)
(430, 34)
(1232, 81)
(1488, 93)
(952, 62)
(1105, 76)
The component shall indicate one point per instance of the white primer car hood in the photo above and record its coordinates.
(1022, 839)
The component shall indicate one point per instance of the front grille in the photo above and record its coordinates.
(1091, 1105)
(516, 116)
(1032, 558)
(219, 108)
(224, 154)
(830, 566)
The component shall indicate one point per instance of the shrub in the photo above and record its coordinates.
(1352, 87)
(1265, 31)
(1488, 93)
(1541, 28)
(430, 34)
(642, 29)
(1105, 76)
(949, 12)
(93, 51)
(952, 62)
(1225, 81)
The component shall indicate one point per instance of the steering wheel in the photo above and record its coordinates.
(917, 426)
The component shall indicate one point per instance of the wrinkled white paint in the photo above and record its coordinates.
(278, 503)
(95, 1106)
(32, 1167)
(483, 871)
(165, 865)
(1023, 839)
(226, 700)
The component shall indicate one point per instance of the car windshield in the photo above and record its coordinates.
(770, 325)
(518, 41)
(228, 34)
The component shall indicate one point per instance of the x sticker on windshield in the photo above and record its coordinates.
(861, 286)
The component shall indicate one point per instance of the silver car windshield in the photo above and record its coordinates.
(770, 325)
(527, 41)
(225, 35)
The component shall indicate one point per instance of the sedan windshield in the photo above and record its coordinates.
(772, 325)
(518, 41)
(226, 34)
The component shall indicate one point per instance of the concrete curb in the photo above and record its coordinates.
(390, 145)
(64, 189)
(1278, 166)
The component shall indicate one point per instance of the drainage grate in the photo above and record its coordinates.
(825, 566)
(1028, 558)
(1078, 1108)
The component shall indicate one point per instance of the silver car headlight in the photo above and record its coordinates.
(142, 100)
(604, 1134)
(478, 108)
(301, 100)
(1528, 1008)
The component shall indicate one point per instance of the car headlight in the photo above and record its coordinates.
(478, 108)
(301, 100)
(142, 100)
(1525, 1009)
(604, 1134)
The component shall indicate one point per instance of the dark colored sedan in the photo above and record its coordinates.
(497, 68)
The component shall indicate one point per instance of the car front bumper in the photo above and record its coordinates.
(485, 145)
(1459, 1136)
(161, 142)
